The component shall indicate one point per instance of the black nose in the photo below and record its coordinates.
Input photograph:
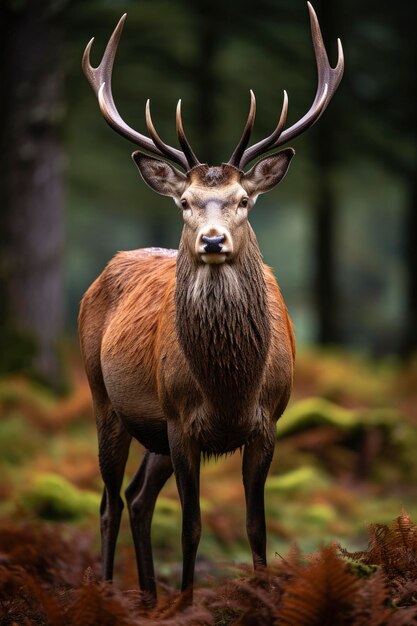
(213, 244)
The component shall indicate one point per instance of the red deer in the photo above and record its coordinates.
(191, 352)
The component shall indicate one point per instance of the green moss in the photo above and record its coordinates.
(166, 520)
(18, 444)
(24, 392)
(321, 514)
(303, 478)
(166, 507)
(361, 570)
(314, 411)
(53, 497)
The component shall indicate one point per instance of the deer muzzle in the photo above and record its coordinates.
(214, 245)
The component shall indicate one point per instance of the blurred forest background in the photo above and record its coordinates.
(340, 233)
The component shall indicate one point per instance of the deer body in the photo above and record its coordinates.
(148, 375)
(191, 352)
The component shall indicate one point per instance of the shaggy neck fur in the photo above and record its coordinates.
(223, 327)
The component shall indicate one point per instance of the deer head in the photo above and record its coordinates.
(215, 201)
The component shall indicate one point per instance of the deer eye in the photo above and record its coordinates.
(244, 202)
(184, 203)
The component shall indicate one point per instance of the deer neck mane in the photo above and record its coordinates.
(223, 327)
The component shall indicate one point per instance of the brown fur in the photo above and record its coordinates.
(207, 176)
(231, 347)
(189, 353)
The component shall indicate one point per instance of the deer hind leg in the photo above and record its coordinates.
(257, 459)
(141, 496)
(114, 442)
(185, 456)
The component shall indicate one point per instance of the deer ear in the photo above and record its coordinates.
(160, 176)
(267, 173)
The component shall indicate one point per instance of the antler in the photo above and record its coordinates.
(328, 81)
(100, 81)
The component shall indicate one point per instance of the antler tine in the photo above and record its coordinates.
(185, 145)
(100, 81)
(247, 131)
(326, 74)
(328, 81)
(161, 145)
(265, 144)
(96, 76)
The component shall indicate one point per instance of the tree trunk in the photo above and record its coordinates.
(205, 81)
(409, 338)
(325, 288)
(324, 157)
(31, 187)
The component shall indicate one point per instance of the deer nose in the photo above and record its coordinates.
(213, 244)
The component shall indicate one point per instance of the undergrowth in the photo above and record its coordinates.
(343, 457)
(47, 579)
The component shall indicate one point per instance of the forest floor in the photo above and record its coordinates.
(344, 474)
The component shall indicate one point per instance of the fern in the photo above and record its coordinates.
(320, 593)
(393, 548)
(46, 580)
(24, 599)
(99, 604)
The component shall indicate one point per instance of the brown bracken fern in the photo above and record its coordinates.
(394, 549)
(46, 580)
(322, 592)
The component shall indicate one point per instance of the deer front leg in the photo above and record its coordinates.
(185, 456)
(257, 459)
